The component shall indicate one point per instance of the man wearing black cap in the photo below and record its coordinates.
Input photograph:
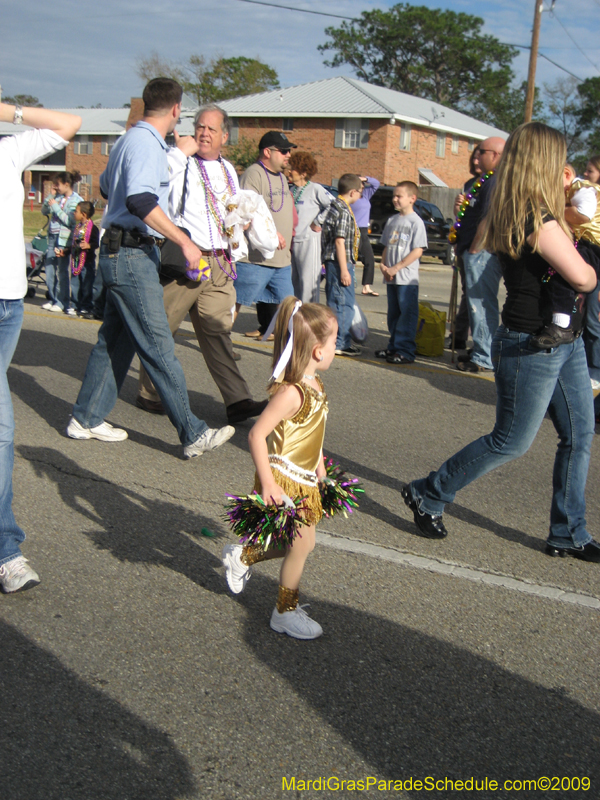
(260, 281)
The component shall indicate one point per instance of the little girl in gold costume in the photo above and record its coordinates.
(286, 444)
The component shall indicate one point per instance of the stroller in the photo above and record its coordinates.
(35, 252)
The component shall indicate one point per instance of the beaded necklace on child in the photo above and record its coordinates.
(81, 233)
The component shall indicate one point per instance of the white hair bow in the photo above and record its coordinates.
(287, 351)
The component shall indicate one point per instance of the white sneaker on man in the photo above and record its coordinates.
(70, 312)
(56, 309)
(104, 432)
(47, 306)
(16, 576)
(296, 623)
(236, 572)
(209, 440)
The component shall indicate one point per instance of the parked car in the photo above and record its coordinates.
(437, 227)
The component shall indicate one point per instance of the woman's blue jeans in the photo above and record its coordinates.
(11, 536)
(57, 275)
(134, 321)
(529, 383)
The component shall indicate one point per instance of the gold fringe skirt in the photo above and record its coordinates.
(293, 488)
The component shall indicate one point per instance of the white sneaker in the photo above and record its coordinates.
(295, 623)
(236, 572)
(209, 440)
(595, 385)
(16, 576)
(70, 312)
(55, 308)
(47, 306)
(104, 432)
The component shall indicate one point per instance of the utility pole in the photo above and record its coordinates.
(535, 38)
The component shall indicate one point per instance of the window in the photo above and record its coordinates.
(455, 143)
(83, 146)
(405, 136)
(440, 145)
(84, 187)
(288, 125)
(234, 134)
(107, 144)
(351, 133)
(471, 145)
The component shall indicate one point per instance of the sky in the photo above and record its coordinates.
(72, 53)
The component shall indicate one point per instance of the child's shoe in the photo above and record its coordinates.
(295, 623)
(552, 336)
(236, 572)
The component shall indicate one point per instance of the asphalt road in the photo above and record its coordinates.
(131, 673)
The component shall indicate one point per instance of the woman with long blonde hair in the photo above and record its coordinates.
(526, 228)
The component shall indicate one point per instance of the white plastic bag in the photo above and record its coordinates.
(248, 207)
(359, 329)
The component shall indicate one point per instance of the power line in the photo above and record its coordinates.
(301, 10)
(553, 14)
(354, 19)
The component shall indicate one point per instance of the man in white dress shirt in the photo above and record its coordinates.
(196, 167)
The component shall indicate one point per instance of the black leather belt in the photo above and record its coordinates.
(135, 238)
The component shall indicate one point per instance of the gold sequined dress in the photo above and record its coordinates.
(589, 230)
(295, 449)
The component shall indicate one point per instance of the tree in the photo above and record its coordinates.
(507, 110)
(243, 154)
(564, 106)
(437, 54)
(218, 79)
(588, 115)
(23, 100)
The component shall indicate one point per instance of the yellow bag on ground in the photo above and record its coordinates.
(431, 330)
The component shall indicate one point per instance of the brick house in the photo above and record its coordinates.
(348, 125)
(353, 126)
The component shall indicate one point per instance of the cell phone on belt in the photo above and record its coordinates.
(115, 235)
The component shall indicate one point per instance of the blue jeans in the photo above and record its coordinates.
(11, 536)
(341, 300)
(403, 318)
(482, 281)
(57, 275)
(134, 321)
(82, 286)
(529, 382)
(257, 283)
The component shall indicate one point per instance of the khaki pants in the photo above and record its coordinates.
(210, 305)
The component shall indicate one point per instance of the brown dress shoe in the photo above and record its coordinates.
(253, 334)
(152, 406)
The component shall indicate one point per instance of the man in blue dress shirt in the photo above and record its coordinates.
(136, 185)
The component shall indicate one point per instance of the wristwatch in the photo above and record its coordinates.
(18, 117)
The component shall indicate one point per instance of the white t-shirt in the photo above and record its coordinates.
(585, 200)
(402, 234)
(197, 218)
(17, 153)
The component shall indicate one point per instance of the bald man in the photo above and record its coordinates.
(482, 269)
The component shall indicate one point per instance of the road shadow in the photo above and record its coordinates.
(70, 357)
(412, 705)
(64, 738)
(129, 525)
(461, 513)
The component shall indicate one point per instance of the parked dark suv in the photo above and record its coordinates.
(437, 227)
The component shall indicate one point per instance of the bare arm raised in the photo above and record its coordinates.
(65, 125)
